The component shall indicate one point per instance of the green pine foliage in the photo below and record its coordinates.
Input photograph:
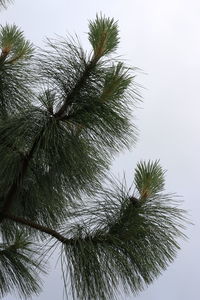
(19, 267)
(103, 36)
(4, 3)
(64, 114)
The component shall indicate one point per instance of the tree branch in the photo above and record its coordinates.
(59, 114)
(14, 187)
(53, 233)
(37, 226)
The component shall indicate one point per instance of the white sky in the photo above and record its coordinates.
(163, 39)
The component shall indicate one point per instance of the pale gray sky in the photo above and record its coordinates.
(163, 39)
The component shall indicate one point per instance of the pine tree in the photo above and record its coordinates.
(64, 114)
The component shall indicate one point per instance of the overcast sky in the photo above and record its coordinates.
(163, 39)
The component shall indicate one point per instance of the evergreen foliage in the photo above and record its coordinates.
(64, 114)
(4, 3)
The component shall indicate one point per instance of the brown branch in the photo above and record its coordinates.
(59, 114)
(37, 226)
(15, 186)
(53, 233)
